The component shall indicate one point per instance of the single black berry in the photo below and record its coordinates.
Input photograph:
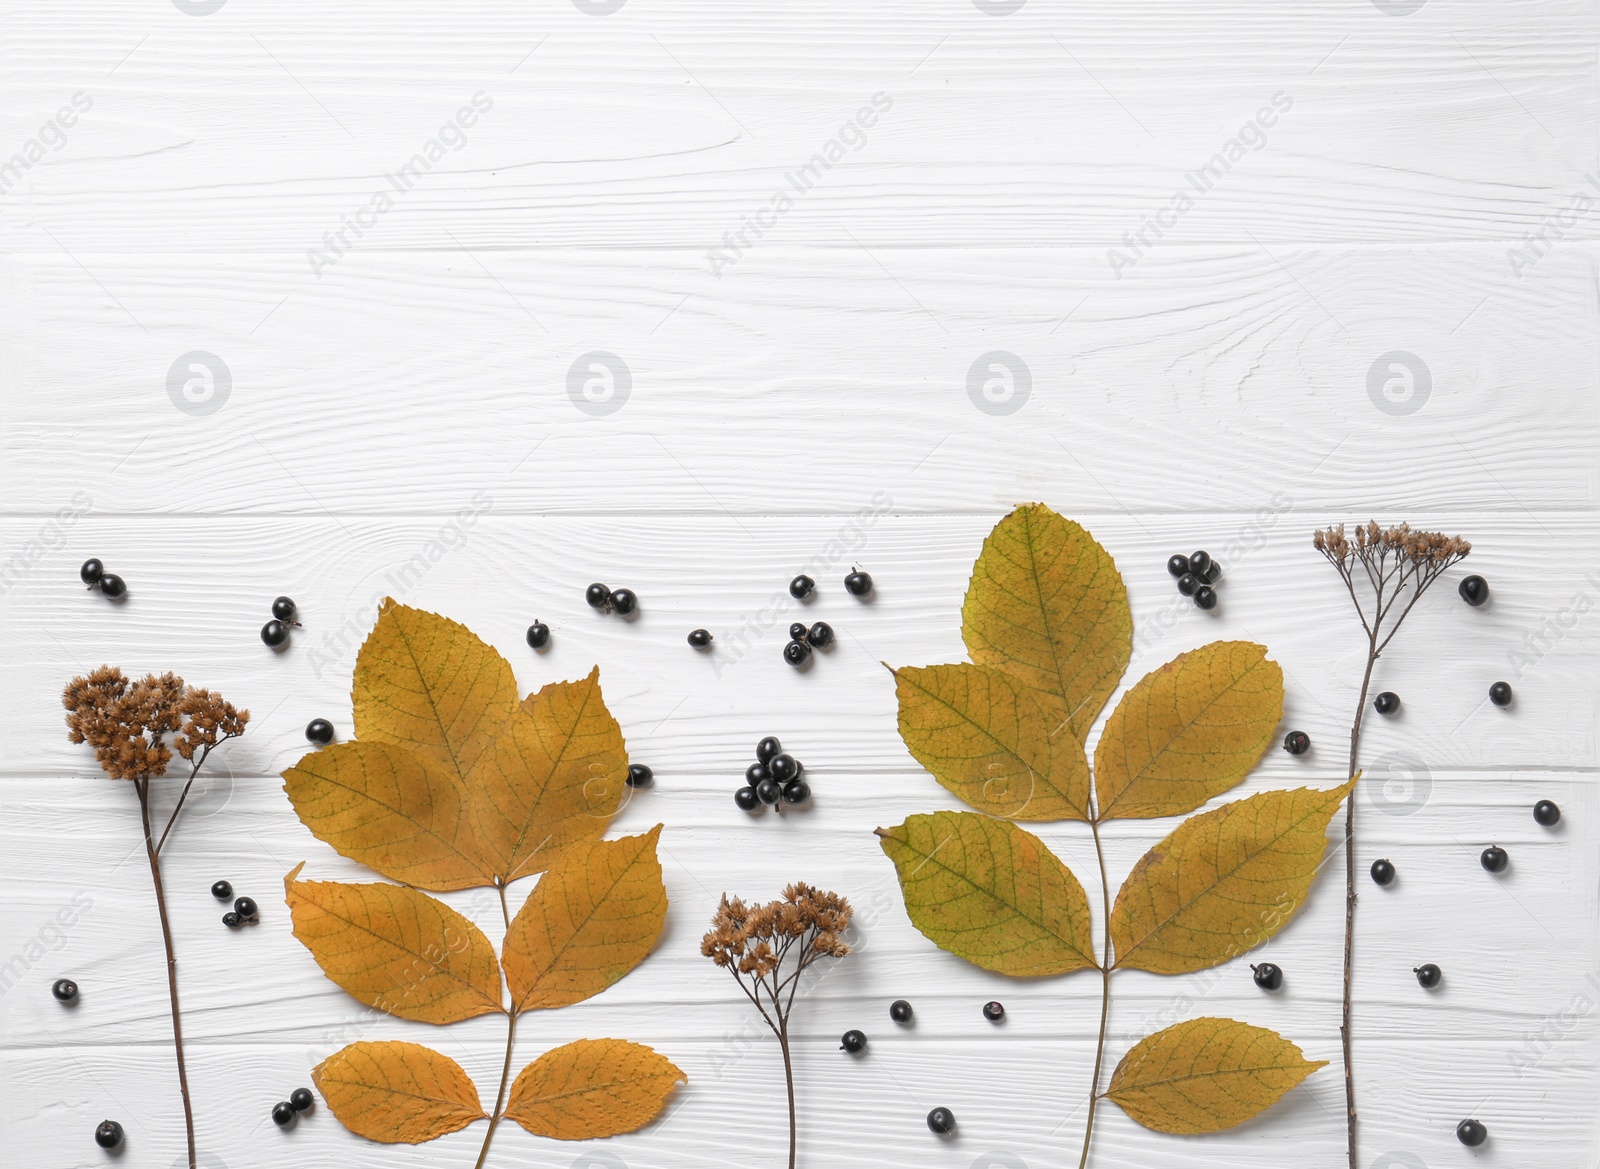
(246, 907)
(301, 1099)
(853, 1041)
(1297, 742)
(1189, 584)
(1178, 565)
(283, 1114)
(113, 586)
(639, 775)
(283, 608)
(232, 920)
(1211, 575)
(65, 990)
(699, 638)
(319, 730)
(942, 1121)
(1471, 1133)
(797, 631)
(91, 572)
(769, 791)
(1205, 597)
(624, 601)
(1546, 813)
(274, 633)
(994, 1011)
(767, 748)
(1500, 693)
(796, 791)
(746, 798)
(820, 635)
(783, 767)
(108, 1134)
(1383, 872)
(1386, 703)
(1200, 563)
(796, 653)
(597, 595)
(900, 1011)
(858, 583)
(538, 635)
(755, 773)
(1268, 975)
(1494, 858)
(1474, 591)
(1428, 975)
(222, 891)
(802, 587)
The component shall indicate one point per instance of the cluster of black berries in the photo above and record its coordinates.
(94, 574)
(802, 641)
(244, 911)
(774, 776)
(285, 1111)
(622, 602)
(940, 1120)
(1196, 573)
(276, 632)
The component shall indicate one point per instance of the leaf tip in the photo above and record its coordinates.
(289, 877)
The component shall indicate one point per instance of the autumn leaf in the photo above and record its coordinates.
(554, 778)
(1047, 604)
(987, 891)
(592, 1088)
(393, 811)
(1222, 882)
(982, 733)
(1188, 731)
(397, 1093)
(396, 949)
(1206, 1075)
(592, 918)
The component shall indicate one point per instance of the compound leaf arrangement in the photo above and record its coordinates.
(454, 783)
(1047, 624)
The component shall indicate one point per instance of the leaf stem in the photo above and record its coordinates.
(505, 1070)
(1105, 990)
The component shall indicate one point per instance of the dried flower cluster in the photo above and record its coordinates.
(127, 723)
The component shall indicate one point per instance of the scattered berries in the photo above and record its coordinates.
(108, 1134)
(113, 586)
(301, 1099)
(624, 601)
(796, 791)
(900, 1011)
(747, 799)
(1500, 693)
(538, 635)
(94, 574)
(942, 1121)
(1428, 975)
(320, 731)
(1471, 1133)
(1268, 975)
(222, 891)
(1205, 597)
(91, 572)
(853, 1041)
(797, 653)
(767, 748)
(1547, 813)
(1178, 565)
(1383, 872)
(640, 776)
(283, 1114)
(232, 920)
(1474, 591)
(284, 609)
(597, 595)
(858, 583)
(1494, 858)
(784, 767)
(994, 1011)
(769, 791)
(246, 908)
(820, 635)
(1386, 703)
(700, 638)
(1297, 742)
(801, 587)
(274, 633)
(65, 990)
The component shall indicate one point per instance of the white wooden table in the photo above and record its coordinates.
(398, 414)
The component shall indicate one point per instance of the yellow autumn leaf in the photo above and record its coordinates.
(393, 811)
(1222, 882)
(431, 685)
(592, 1088)
(592, 918)
(1188, 731)
(553, 778)
(983, 734)
(1206, 1075)
(395, 949)
(1047, 604)
(397, 1093)
(987, 891)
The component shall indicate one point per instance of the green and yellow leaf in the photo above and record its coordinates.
(592, 1088)
(1206, 1075)
(397, 1093)
(1188, 731)
(987, 891)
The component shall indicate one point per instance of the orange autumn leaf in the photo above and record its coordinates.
(592, 1088)
(592, 918)
(397, 1093)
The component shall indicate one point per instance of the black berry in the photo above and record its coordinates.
(802, 587)
(858, 583)
(283, 1114)
(1500, 693)
(1205, 597)
(1178, 565)
(1200, 563)
(301, 1099)
(1474, 591)
(232, 920)
(1428, 975)
(639, 775)
(796, 653)
(597, 595)
(900, 1011)
(769, 791)
(756, 772)
(319, 730)
(222, 891)
(1211, 575)
(1494, 858)
(1471, 1133)
(1189, 584)
(797, 631)
(624, 601)
(796, 791)
(1383, 872)
(853, 1041)
(246, 907)
(820, 635)
(1386, 703)
(994, 1011)
(1546, 813)
(274, 633)
(784, 767)
(942, 1121)
(65, 990)
(283, 608)
(767, 748)
(1268, 975)
(91, 572)
(746, 798)
(1297, 742)
(113, 586)
(699, 638)
(108, 1134)
(538, 635)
